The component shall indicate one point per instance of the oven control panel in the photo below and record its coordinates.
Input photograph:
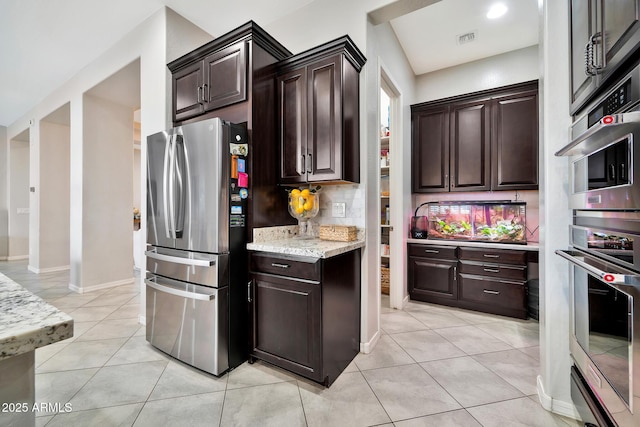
(612, 103)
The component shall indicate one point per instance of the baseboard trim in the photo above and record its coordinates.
(367, 347)
(16, 257)
(48, 270)
(560, 407)
(84, 289)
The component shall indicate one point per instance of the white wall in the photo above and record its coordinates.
(18, 199)
(54, 196)
(107, 256)
(508, 68)
(555, 215)
(4, 217)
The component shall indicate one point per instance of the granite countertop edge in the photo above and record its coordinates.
(532, 246)
(27, 321)
(315, 248)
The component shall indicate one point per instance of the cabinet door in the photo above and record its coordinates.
(292, 97)
(226, 76)
(514, 151)
(433, 280)
(187, 92)
(324, 120)
(621, 26)
(470, 144)
(583, 26)
(287, 323)
(430, 150)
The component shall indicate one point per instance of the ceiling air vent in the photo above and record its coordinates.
(468, 37)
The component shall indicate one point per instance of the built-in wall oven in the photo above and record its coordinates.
(604, 256)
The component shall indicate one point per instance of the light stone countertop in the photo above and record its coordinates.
(315, 248)
(531, 246)
(28, 322)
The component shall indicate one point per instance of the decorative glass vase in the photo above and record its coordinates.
(304, 204)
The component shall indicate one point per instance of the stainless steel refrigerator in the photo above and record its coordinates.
(196, 278)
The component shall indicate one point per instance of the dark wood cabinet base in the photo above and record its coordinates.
(461, 277)
(306, 316)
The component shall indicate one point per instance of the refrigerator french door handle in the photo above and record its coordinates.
(172, 184)
(181, 175)
(178, 292)
(165, 184)
(187, 207)
(180, 260)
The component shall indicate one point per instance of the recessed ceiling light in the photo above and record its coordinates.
(496, 11)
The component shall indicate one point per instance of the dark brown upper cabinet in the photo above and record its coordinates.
(477, 142)
(430, 149)
(469, 140)
(318, 104)
(215, 81)
(514, 149)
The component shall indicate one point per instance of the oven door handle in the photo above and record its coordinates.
(608, 128)
(607, 277)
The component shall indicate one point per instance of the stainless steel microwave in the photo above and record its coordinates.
(605, 149)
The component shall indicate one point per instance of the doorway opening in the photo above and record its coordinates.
(18, 197)
(392, 269)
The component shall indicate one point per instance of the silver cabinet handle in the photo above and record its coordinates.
(310, 164)
(487, 291)
(249, 290)
(179, 292)
(275, 264)
(205, 92)
(181, 260)
(490, 256)
(491, 270)
(432, 251)
(304, 164)
(200, 95)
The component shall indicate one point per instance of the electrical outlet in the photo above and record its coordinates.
(338, 210)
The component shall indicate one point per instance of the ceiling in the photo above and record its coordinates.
(43, 43)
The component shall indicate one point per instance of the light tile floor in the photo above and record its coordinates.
(433, 366)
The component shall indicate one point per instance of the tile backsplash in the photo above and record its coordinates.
(352, 195)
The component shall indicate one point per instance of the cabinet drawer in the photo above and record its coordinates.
(517, 272)
(510, 294)
(432, 251)
(290, 266)
(496, 256)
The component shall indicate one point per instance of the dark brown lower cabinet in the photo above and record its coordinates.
(306, 313)
(487, 280)
(432, 274)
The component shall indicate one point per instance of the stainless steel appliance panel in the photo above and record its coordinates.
(188, 187)
(613, 236)
(603, 344)
(193, 267)
(188, 322)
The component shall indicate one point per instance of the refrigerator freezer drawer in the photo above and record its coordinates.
(193, 267)
(189, 322)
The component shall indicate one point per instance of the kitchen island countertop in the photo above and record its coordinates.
(315, 248)
(28, 322)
